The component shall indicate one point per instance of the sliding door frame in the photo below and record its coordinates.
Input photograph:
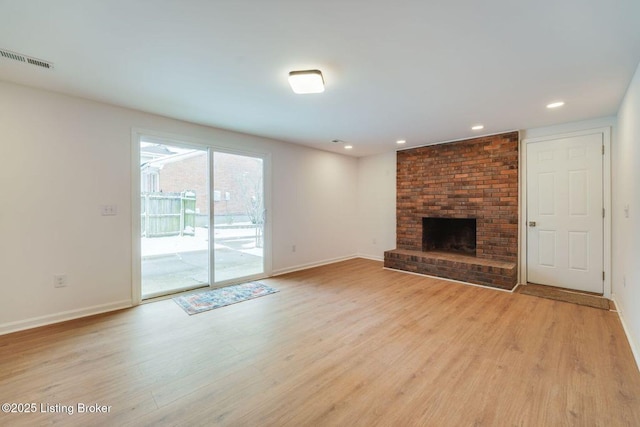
(137, 135)
(266, 262)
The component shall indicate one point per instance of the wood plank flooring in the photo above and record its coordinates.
(348, 344)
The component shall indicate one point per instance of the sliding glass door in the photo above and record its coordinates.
(174, 218)
(202, 217)
(238, 217)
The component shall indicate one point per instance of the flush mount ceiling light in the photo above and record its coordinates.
(401, 141)
(556, 104)
(306, 81)
(348, 147)
(477, 127)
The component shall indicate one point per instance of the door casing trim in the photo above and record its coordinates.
(606, 200)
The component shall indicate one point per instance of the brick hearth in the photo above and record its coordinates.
(475, 178)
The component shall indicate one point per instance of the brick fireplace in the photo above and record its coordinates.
(457, 211)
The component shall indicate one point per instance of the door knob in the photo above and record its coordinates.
(532, 223)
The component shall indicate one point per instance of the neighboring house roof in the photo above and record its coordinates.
(175, 157)
(155, 150)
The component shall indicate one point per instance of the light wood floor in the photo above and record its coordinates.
(348, 344)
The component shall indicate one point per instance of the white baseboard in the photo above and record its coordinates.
(634, 348)
(50, 319)
(371, 257)
(311, 265)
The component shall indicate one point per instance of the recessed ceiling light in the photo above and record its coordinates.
(477, 127)
(555, 104)
(401, 141)
(348, 147)
(306, 81)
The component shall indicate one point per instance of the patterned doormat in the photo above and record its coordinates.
(216, 298)
(566, 296)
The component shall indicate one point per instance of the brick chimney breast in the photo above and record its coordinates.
(473, 179)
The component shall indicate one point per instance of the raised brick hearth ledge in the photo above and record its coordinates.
(497, 274)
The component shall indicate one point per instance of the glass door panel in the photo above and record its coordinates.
(238, 217)
(174, 201)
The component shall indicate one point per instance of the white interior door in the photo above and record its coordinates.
(565, 213)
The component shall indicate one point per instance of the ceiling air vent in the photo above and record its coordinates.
(24, 58)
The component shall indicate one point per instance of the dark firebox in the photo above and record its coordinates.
(449, 235)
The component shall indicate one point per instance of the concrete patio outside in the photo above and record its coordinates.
(176, 263)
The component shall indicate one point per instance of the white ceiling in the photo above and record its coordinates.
(424, 71)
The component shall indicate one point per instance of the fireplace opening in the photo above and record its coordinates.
(449, 235)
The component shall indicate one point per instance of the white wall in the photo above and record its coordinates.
(376, 205)
(598, 123)
(63, 157)
(626, 231)
(314, 207)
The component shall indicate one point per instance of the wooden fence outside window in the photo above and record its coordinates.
(168, 214)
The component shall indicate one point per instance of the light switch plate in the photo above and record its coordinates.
(109, 210)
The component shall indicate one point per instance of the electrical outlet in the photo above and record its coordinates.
(374, 241)
(59, 280)
(293, 248)
(624, 281)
